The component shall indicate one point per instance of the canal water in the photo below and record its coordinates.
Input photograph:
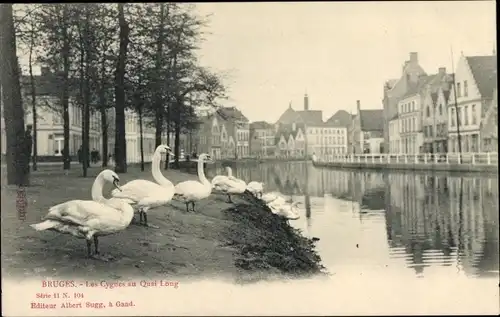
(391, 224)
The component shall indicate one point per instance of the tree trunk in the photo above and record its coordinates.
(33, 100)
(82, 102)
(141, 138)
(86, 94)
(159, 127)
(167, 159)
(1, 96)
(17, 162)
(157, 92)
(177, 133)
(120, 141)
(65, 88)
(103, 105)
(104, 131)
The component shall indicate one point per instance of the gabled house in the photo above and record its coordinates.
(290, 141)
(262, 139)
(210, 135)
(238, 127)
(475, 82)
(433, 111)
(366, 131)
(311, 122)
(489, 126)
(394, 90)
(440, 142)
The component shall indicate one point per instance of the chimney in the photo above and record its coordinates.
(358, 106)
(442, 70)
(414, 57)
(404, 66)
(306, 102)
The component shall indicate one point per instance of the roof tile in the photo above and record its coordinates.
(484, 70)
(372, 120)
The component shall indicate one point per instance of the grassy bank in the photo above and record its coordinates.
(266, 243)
(234, 240)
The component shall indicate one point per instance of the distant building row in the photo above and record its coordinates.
(430, 113)
(50, 140)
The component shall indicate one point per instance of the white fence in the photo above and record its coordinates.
(488, 158)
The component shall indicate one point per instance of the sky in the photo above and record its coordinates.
(338, 52)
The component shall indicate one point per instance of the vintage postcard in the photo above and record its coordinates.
(259, 158)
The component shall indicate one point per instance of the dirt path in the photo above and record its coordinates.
(187, 244)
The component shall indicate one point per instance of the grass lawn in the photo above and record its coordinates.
(187, 244)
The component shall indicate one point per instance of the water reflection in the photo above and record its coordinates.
(429, 223)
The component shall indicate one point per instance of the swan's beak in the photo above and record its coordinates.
(117, 185)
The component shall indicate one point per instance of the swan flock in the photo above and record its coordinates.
(100, 216)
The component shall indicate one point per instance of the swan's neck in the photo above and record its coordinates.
(157, 175)
(201, 173)
(97, 190)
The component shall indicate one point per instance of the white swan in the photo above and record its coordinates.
(228, 184)
(146, 194)
(286, 210)
(218, 178)
(256, 188)
(274, 197)
(191, 191)
(90, 219)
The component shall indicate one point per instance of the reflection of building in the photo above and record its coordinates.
(366, 131)
(436, 215)
(475, 81)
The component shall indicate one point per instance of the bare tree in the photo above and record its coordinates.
(27, 31)
(120, 141)
(17, 161)
(57, 34)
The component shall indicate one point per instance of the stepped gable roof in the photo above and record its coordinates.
(484, 71)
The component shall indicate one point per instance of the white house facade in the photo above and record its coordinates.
(475, 80)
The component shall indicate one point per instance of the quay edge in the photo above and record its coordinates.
(463, 168)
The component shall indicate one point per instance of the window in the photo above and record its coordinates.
(413, 106)
(452, 117)
(428, 111)
(414, 124)
(440, 109)
(459, 91)
(466, 92)
(474, 115)
(466, 115)
(461, 115)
